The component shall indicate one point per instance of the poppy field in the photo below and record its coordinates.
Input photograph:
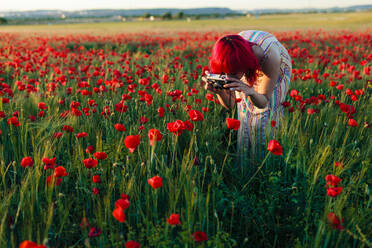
(112, 141)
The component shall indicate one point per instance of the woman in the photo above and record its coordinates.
(258, 69)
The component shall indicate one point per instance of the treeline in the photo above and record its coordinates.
(147, 16)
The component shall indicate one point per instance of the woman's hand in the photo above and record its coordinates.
(237, 85)
(209, 86)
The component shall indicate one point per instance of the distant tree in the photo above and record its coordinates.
(180, 15)
(147, 15)
(166, 16)
(3, 20)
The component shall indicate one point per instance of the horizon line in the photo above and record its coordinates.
(12, 10)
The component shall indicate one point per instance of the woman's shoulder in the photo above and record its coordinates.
(247, 33)
(253, 35)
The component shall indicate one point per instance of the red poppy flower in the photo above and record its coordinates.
(96, 179)
(95, 191)
(90, 163)
(14, 121)
(174, 219)
(334, 221)
(49, 163)
(32, 118)
(120, 127)
(199, 236)
(352, 123)
(30, 244)
(275, 147)
(57, 135)
(60, 171)
(310, 111)
(293, 93)
(100, 155)
(332, 180)
(68, 128)
(354, 98)
(94, 232)
(333, 192)
(154, 135)
(89, 149)
(188, 125)
(155, 182)
(122, 203)
(132, 244)
(81, 135)
(27, 161)
(119, 214)
(176, 127)
(232, 123)
(339, 164)
(120, 107)
(51, 178)
(42, 105)
(196, 115)
(161, 111)
(209, 97)
(41, 114)
(131, 142)
(273, 123)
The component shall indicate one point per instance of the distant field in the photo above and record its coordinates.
(350, 21)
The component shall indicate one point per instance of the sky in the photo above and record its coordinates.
(147, 4)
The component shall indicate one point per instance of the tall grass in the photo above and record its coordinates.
(278, 202)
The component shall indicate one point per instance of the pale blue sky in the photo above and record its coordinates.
(132, 4)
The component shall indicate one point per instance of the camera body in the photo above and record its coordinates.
(217, 80)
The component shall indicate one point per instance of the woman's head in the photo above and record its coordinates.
(232, 54)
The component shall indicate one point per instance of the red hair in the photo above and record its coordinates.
(232, 54)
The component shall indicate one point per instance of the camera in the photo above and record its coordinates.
(217, 80)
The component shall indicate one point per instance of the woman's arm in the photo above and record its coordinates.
(226, 96)
(271, 69)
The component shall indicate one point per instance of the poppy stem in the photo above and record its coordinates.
(258, 169)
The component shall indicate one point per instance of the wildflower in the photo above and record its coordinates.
(233, 123)
(119, 214)
(132, 244)
(60, 171)
(96, 179)
(196, 115)
(27, 161)
(94, 232)
(352, 123)
(90, 163)
(131, 142)
(275, 147)
(120, 127)
(174, 219)
(100, 155)
(333, 192)
(332, 180)
(155, 182)
(199, 236)
(154, 135)
(334, 221)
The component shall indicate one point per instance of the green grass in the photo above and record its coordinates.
(349, 21)
(280, 201)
